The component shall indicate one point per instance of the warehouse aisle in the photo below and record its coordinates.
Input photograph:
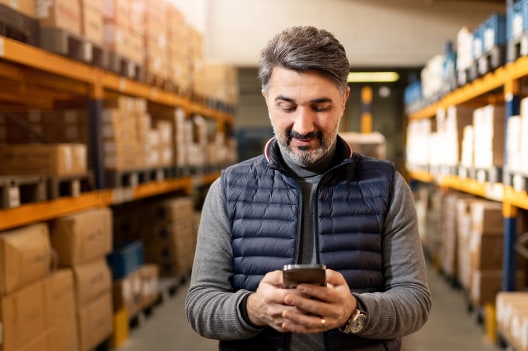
(450, 326)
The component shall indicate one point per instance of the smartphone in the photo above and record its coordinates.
(293, 274)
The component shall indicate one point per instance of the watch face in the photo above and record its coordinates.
(358, 323)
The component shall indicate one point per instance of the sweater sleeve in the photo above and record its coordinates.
(212, 306)
(404, 306)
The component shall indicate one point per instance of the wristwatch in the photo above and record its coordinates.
(356, 323)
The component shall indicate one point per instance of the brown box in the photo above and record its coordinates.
(82, 237)
(25, 7)
(487, 217)
(95, 321)
(91, 280)
(25, 314)
(45, 341)
(172, 210)
(127, 293)
(96, 5)
(43, 159)
(92, 27)
(64, 14)
(63, 311)
(25, 257)
(486, 252)
(150, 284)
(116, 11)
(487, 284)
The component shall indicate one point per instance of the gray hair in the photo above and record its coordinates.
(305, 49)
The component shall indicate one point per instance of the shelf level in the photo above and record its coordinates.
(47, 210)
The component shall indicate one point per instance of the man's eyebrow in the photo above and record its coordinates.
(284, 98)
(316, 101)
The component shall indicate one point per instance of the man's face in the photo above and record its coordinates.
(305, 110)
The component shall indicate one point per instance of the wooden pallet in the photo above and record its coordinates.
(518, 181)
(71, 45)
(69, 185)
(123, 66)
(517, 47)
(17, 26)
(490, 175)
(465, 76)
(132, 178)
(466, 172)
(18, 190)
(491, 60)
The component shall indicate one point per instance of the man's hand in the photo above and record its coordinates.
(307, 309)
(317, 308)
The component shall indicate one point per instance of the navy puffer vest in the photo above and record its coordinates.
(264, 209)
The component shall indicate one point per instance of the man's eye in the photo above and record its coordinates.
(287, 108)
(321, 108)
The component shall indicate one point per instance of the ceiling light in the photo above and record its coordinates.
(373, 77)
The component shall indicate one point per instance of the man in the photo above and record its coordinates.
(308, 199)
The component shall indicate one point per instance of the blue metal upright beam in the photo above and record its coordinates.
(95, 112)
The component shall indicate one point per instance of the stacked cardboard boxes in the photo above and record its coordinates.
(62, 126)
(92, 26)
(512, 318)
(130, 138)
(179, 65)
(37, 307)
(61, 14)
(472, 245)
(169, 237)
(488, 126)
(43, 159)
(26, 7)
(516, 140)
(82, 241)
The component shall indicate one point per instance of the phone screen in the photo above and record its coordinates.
(295, 274)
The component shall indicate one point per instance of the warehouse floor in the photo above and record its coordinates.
(450, 327)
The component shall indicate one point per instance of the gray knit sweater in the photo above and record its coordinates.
(212, 306)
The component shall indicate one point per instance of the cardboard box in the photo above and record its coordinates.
(46, 341)
(92, 27)
(150, 284)
(25, 7)
(43, 159)
(95, 321)
(25, 257)
(487, 217)
(487, 284)
(83, 237)
(63, 14)
(96, 5)
(486, 252)
(91, 281)
(63, 311)
(127, 293)
(25, 314)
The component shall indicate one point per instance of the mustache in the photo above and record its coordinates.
(308, 136)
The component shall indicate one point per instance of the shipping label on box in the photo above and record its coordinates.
(82, 237)
(25, 257)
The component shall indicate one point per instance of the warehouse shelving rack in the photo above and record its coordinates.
(30, 73)
(502, 84)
